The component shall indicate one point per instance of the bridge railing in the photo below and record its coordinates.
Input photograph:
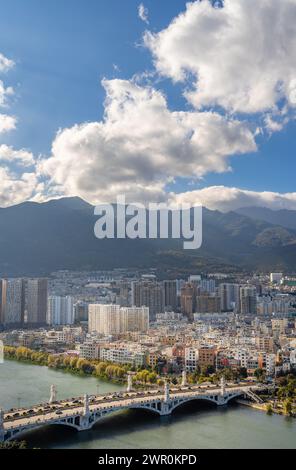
(179, 391)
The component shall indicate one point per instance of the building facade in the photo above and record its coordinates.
(114, 320)
(12, 301)
(37, 299)
(60, 311)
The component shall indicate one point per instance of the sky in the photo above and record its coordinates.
(159, 101)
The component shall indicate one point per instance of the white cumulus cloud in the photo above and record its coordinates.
(16, 188)
(226, 199)
(10, 155)
(140, 146)
(241, 57)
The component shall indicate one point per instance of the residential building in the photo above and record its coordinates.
(12, 301)
(207, 303)
(149, 293)
(188, 297)
(114, 320)
(248, 300)
(170, 295)
(37, 300)
(229, 295)
(207, 356)
(60, 311)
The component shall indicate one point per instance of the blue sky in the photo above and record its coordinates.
(62, 49)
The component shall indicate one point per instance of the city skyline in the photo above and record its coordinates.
(229, 337)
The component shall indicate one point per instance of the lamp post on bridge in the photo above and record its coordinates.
(129, 382)
(222, 385)
(19, 402)
(53, 394)
(184, 378)
(166, 391)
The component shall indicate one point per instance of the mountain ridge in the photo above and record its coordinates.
(283, 217)
(38, 238)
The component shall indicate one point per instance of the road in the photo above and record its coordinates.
(44, 413)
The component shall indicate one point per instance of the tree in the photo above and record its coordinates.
(101, 369)
(243, 372)
(50, 361)
(73, 362)
(269, 409)
(288, 406)
(13, 445)
(259, 374)
(66, 361)
(152, 377)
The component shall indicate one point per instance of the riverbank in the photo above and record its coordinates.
(263, 407)
(103, 371)
(106, 371)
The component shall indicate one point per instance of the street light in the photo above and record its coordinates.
(18, 402)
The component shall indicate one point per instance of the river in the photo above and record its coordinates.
(195, 426)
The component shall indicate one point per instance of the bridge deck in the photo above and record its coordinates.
(41, 415)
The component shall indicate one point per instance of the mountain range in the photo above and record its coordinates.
(284, 217)
(38, 238)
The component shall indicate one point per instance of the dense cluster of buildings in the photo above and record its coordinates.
(215, 321)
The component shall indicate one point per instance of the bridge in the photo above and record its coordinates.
(84, 412)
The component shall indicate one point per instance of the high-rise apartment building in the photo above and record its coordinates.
(12, 302)
(188, 300)
(170, 295)
(208, 303)
(248, 300)
(134, 319)
(60, 310)
(123, 297)
(80, 311)
(37, 298)
(149, 293)
(230, 296)
(114, 320)
(104, 319)
(208, 285)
